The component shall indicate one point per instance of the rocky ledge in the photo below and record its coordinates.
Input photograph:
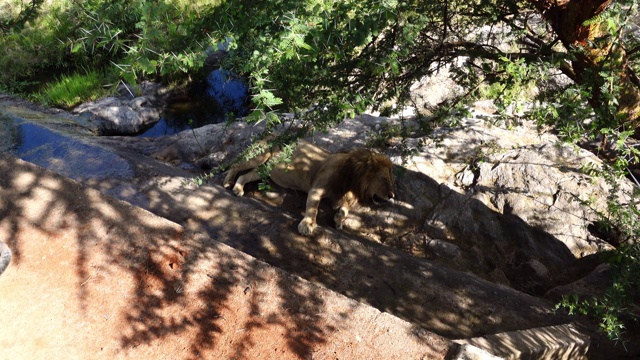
(507, 205)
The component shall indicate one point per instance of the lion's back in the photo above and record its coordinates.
(301, 171)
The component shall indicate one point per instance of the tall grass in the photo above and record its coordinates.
(69, 91)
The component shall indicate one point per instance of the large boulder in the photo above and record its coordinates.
(131, 112)
(507, 203)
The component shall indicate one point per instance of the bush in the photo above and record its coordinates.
(132, 39)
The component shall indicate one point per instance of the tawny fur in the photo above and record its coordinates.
(360, 175)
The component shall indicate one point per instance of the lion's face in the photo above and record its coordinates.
(380, 188)
(375, 176)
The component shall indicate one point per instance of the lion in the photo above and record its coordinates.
(346, 179)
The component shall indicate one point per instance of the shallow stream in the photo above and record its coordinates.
(59, 143)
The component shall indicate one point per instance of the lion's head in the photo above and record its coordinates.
(370, 175)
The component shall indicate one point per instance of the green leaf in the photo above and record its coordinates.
(273, 119)
(255, 117)
(76, 47)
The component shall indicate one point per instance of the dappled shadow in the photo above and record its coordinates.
(452, 229)
(552, 342)
(441, 300)
(141, 281)
(177, 285)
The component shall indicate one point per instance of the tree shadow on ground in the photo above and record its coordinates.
(442, 300)
(160, 284)
(185, 284)
(479, 239)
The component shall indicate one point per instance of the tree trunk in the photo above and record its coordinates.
(596, 53)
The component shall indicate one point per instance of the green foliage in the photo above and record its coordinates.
(515, 78)
(325, 54)
(284, 156)
(141, 39)
(26, 13)
(615, 308)
(28, 50)
(571, 110)
(133, 40)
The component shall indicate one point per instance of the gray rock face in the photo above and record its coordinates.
(124, 114)
(505, 204)
(594, 284)
(512, 199)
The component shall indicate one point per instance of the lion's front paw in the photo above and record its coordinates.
(339, 220)
(306, 227)
(238, 189)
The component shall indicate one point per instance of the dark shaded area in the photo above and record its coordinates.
(606, 231)
(219, 96)
(229, 91)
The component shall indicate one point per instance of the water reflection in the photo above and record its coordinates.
(229, 91)
(224, 95)
(66, 155)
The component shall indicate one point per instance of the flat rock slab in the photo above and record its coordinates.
(94, 277)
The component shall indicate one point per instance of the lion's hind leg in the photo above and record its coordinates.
(340, 216)
(252, 175)
(231, 175)
(244, 179)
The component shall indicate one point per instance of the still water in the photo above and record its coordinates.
(224, 95)
(64, 154)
